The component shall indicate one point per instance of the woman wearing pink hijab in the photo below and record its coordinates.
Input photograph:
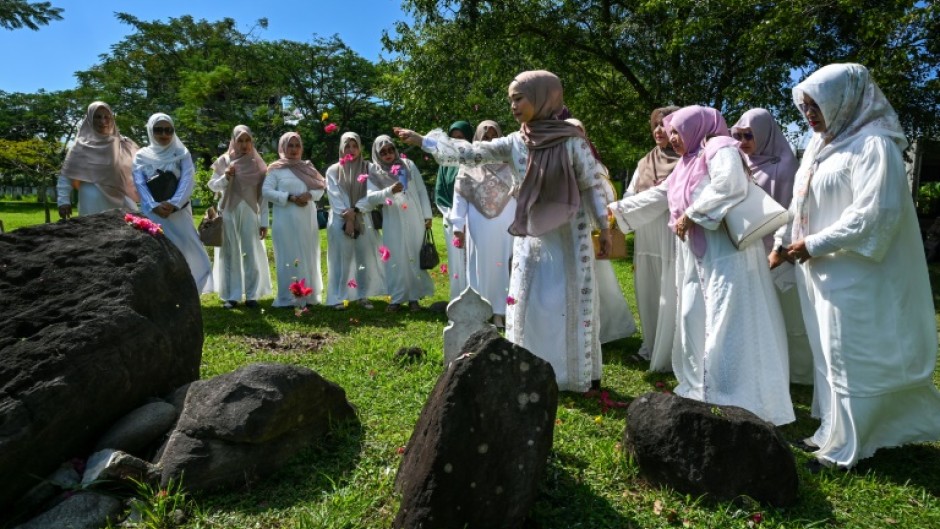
(729, 326)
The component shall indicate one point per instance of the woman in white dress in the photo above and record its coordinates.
(293, 186)
(862, 276)
(99, 166)
(773, 166)
(554, 302)
(167, 154)
(734, 347)
(482, 211)
(396, 186)
(353, 270)
(444, 200)
(654, 254)
(241, 263)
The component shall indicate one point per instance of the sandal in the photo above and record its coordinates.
(413, 306)
(229, 304)
(394, 307)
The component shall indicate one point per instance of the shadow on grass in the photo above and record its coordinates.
(916, 465)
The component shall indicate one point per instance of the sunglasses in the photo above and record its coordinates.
(804, 107)
(743, 136)
(383, 152)
(163, 130)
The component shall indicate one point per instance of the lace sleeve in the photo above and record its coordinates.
(453, 152)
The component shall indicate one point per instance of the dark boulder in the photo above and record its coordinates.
(97, 317)
(481, 444)
(699, 448)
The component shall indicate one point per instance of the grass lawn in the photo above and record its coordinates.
(346, 482)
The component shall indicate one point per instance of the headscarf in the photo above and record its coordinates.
(250, 169)
(773, 164)
(659, 162)
(302, 169)
(156, 157)
(694, 124)
(548, 195)
(447, 174)
(349, 171)
(486, 186)
(102, 159)
(379, 171)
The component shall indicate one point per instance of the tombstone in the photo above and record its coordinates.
(468, 313)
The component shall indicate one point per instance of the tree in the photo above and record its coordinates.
(15, 14)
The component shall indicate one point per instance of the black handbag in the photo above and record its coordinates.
(163, 186)
(377, 218)
(322, 218)
(427, 257)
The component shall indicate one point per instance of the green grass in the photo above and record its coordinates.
(346, 482)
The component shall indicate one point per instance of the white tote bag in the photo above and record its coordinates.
(754, 217)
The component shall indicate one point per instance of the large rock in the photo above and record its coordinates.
(481, 443)
(247, 423)
(85, 510)
(97, 317)
(700, 448)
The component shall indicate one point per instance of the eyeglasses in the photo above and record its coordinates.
(163, 130)
(743, 136)
(383, 152)
(804, 107)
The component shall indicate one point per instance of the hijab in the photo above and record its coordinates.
(102, 159)
(156, 157)
(486, 186)
(659, 162)
(302, 169)
(349, 171)
(446, 175)
(549, 194)
(250, 169)
(694, 124)
(773, 164)
(379, 171)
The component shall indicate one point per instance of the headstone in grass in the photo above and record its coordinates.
(700, 448)
(97, 317)
(479, 449)
(468, 313)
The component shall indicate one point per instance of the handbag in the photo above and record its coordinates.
(755, 217)
(427, 257)
(322, 218)
(210, 228)
(163, 185)
(377, 218)
(618, 244)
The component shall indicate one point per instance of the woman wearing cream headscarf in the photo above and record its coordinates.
(552, 298)
(293, 186)
(99, 166)
(166, 153)
(862, 276)
(241, 263)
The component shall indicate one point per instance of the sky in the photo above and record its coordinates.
(48, 58)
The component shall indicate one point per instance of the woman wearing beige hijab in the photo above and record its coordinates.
(241, 263)
(99, 166)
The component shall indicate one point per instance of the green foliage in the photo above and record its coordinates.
(16, 14)
(928, 199)
(156, 507)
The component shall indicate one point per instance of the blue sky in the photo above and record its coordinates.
(48, 58)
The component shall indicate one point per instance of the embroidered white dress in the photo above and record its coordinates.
(553, 280)
(347, 258)
(403, 234)
(729, 325)
(296, 237)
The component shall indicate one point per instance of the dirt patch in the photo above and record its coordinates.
(291, 342)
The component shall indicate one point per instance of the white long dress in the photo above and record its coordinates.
(654, 281)
(241, 264)
(553, 280)
(349, 258)
(403, 235)
(867, 304)
(91, 199)
(616, 320)
(296, 237)
(457, 262)
(178, 226)
(729, 326)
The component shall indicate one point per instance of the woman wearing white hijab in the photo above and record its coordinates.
(99, 166)
(294, 185)
(241, 263)
(166, 153)
(862, 276)
(353, 269)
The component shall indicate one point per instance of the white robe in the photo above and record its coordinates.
(867, 304)
(403, 234)
(91, 199)
(349, 258)
(553, 280)
(456, 257)
(729, 326)
(296, 237)
(178, 226)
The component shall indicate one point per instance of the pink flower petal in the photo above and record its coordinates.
(443, 268)
(510, 300)
(362, 178)
(352, 283)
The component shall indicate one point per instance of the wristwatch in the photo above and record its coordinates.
(780, 249)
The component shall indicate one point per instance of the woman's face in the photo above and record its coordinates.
(163, 133)
(489, 134)
(243, 144)
(457, 134)
(813, 114)
(388, 154)
(659, 133)
(746, 137)
(102, 121)
(294, 149)
(352, 148)
(521, 107)
(676, 141)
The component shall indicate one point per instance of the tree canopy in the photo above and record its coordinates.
(16, 14)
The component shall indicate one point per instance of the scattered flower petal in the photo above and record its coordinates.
(388, 202)
(510, 300)
(395, 169)
(300, 289)
(457, 242)
(325, 116)
(444, 268)
(352, 283)
(384, 253)
(331, 128)
(362, 178)
(402, 156)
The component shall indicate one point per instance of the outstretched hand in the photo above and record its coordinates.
(408, 136)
